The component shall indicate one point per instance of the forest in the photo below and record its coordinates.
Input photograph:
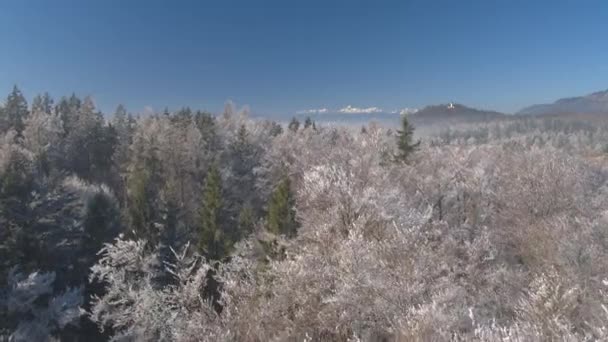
(189, 226)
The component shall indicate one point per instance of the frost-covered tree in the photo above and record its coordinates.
(135, 308)
(33, 312)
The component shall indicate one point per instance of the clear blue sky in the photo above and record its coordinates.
(280, 57)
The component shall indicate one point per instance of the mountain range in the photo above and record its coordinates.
(452, 113)
(592, 105)
(596, 103)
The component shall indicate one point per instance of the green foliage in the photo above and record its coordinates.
(405, 144)
(213, 240)
(140, 205)
(281, 213)
(246, 220)
(15, 111)
(101, 222)
(16, 184)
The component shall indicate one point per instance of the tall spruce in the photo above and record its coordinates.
(42, 103)
(405, 141)
(213, 240)
(15, 111)
(246, 220)
(294, 125)
(281, 210)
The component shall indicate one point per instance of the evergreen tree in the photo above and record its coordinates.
(241, 184)
(308, 123)
(182, 117)
(205, 122)
(213, 240)
(16, 185)
(15, 111)
(123, 134)
(140, 206)
(68, 110)
(405, 144)
(281, 210)
(275, 129)
(42, 103)
(294, 125)
(101, 222)
(246, 220)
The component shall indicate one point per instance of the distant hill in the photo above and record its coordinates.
(444, 114)
(452, 113)
(386, 119)
(596, 103)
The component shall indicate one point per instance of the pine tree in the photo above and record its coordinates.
(246, 220)
(205, 122)
(281, 213)
(101, 222)
(140, 206)
(308, 123)
(16, 111)
(213, 240)
(275, 129)
(294, 125)
(42, 103)
(405, 144)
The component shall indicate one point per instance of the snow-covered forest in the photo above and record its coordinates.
(186, 226)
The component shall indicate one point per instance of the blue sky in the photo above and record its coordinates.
(280, 57)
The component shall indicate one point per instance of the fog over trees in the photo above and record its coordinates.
(186, 226)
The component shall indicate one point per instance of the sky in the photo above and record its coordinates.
(284, 57)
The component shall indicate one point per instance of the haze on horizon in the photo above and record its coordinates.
(282, 58)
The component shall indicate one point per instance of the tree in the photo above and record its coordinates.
(35, 312)
(68, 109)
(281, 213)
(101, 221)
(308, 123)
(405, 145)
(124, 135)
(15, 110)
(275, 129)
(246, 220)
(294, 125)
(43, 103)
(205, 122)
(213, 240)
(141, 206)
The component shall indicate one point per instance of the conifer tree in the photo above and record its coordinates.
(42, 103)
(213, 240)
(281, 213)
(275, 129)
(405, 144)
(139, 206)
(246, 220)
(308, 123)
(294, 125)
(16, 111)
